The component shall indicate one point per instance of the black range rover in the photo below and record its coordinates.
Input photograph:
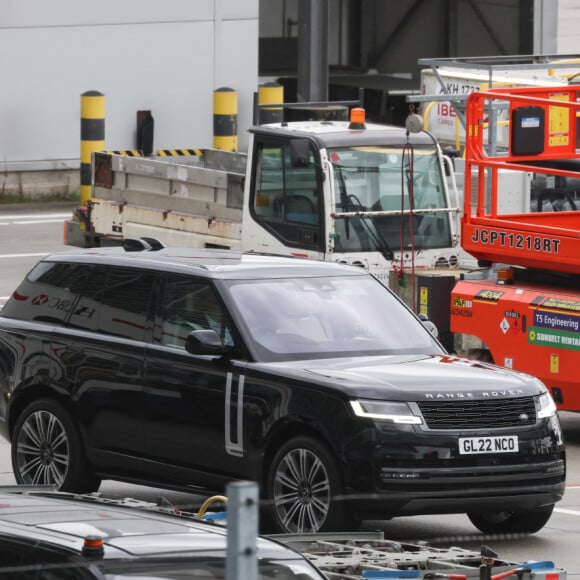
(186, 369)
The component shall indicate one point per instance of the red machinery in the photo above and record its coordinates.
(522, 221)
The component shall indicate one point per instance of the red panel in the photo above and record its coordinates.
(529, 240)
(527, 328)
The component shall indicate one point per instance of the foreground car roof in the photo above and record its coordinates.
(131, 530)
(210, 263)
(141, 538)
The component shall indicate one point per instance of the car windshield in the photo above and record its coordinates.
(380, 179)
(323, 317)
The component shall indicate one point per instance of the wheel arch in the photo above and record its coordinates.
(35, 393)
(284, 431)
(74, 472)
(481, 355)
(472, 346)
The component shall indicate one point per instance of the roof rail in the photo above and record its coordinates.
(155, 244)
(142, 245)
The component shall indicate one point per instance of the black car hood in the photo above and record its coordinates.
(412, 377)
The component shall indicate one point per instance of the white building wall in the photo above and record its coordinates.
(568, 27)
(167, 57)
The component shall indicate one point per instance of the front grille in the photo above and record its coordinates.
(486, 414)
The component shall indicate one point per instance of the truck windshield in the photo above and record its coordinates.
(375, 180)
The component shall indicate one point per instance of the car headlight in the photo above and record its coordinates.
(385, 411)
(546, 406)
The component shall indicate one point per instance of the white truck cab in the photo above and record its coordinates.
(365, 194)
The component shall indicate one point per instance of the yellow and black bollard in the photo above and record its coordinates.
(270, 93)
(92, 136)
(225, 119)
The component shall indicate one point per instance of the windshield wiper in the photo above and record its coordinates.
(350, 202)
(374, 231)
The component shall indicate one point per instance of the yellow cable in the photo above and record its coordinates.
(208, 502)
(426, 113)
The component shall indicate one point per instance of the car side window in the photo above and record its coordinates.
(190, 304)
(49, 292)
(116, 302)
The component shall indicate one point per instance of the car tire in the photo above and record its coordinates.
(302, 485)
(527, 522)
(47, 450)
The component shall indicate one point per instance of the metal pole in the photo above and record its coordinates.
(270, 93)
(92, 137)
(225, 119)
(313, 50)
(242, 536)
(545, 26)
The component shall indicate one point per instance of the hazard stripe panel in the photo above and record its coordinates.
(127, 152)
(178, 152)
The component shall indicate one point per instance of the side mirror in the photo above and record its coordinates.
(430, 326)
(204, 342)
(300, 152)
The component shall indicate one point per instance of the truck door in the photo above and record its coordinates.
(285, 203)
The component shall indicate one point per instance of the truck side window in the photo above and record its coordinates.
(286, 199)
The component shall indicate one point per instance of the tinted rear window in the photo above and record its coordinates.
(48, 293)
(103, 299)
(115, 301)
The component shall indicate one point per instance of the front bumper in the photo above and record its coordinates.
(412, 470)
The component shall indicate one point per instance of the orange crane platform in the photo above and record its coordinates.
(541, 128)
(522, 219)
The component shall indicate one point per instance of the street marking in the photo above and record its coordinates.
(19, 219)
(569, 487)
(20, 216)
(23, 255)
(25, 223)
(565, 511)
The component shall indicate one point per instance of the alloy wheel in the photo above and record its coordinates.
(42, 450)
(301, 491)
